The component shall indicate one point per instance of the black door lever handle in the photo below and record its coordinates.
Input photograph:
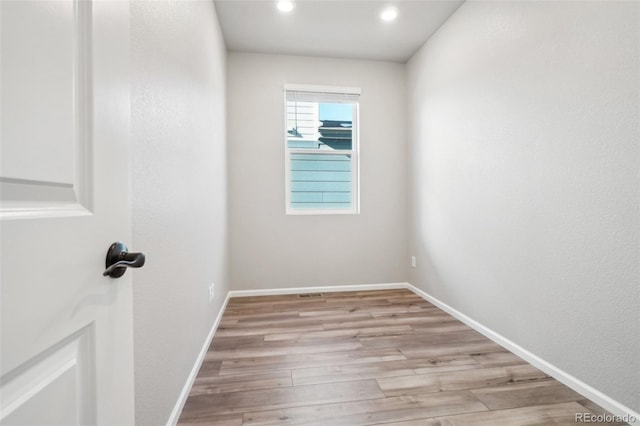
(119, 259)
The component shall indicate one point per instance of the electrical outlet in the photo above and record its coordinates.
(211, 293)
(413, 261)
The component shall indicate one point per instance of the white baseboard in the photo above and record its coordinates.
(562, 376)
(182, 399)
(324, 289)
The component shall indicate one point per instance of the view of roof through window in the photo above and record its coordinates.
(319, 125)
(335, 130)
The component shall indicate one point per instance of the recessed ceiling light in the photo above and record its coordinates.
(285, 5)
(389, 13)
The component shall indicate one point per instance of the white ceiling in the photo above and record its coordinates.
(333, 28)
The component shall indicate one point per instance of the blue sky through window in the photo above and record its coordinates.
(338, 112)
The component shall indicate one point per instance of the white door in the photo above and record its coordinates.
(66, 342)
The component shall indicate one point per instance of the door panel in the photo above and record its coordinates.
(46, 31)
(60, 379)
(46, 60)
(66, 331)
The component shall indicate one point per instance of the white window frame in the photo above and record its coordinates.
(354, 152)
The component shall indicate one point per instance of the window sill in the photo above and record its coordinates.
(310, 212)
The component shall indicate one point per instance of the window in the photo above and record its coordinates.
(321, 150)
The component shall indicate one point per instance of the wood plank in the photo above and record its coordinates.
(233, 332)
(258, 400)
(459, 379)
(446, 326)
(215, 420)
(323, 312)
(451, 348)
(272, 351)
(446, 363)
(241, 382)
(235, 342)
(341, 333)
(289, 362)
(552, 414)
(342, 373)
(441, 327)
(299, 320)
(497, 359)
(420, 340)
(411, 298)
(229, 314)
(369, 412)
(209, 368)
(426, 312)
(267, 309)
(387, 320)
(396, 309)
(539, 392)
(370, 294)
(338, 304)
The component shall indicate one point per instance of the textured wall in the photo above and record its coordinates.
(272, 250)
(524, 165)
(179, 193)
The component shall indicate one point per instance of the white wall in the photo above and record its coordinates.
(179, 193)
(523, 150)
(272, 250)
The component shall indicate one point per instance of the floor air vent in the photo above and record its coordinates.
(306, 295)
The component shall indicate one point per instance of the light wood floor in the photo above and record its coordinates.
(365, 358)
